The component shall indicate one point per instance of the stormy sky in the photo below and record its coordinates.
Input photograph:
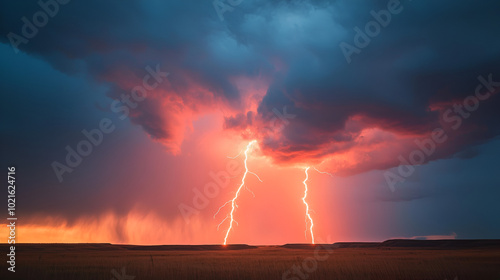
(359, 89)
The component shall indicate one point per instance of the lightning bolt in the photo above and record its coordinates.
(322, 172)
(233, 201)
(308, 216)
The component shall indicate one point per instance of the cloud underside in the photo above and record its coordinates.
(277, 73)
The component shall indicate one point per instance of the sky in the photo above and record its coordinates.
(127, 121)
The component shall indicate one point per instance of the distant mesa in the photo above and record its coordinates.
(407, 243)
(444, 243)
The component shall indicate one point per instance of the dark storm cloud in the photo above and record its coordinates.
(44, 110)
(112, 42)
(429, 53)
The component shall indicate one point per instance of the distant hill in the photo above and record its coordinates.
(334, 245)
(408, 243)
(40, 247)
(445, 243)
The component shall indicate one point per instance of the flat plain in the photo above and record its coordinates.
(403, 259)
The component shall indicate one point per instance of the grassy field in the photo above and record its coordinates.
(103, 261)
